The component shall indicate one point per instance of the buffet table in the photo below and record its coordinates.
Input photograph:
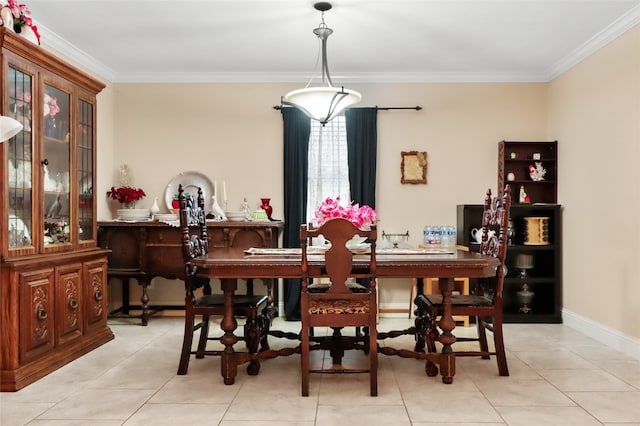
(230, 264)
(144, 250)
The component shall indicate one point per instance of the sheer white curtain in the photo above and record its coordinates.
(328, 164)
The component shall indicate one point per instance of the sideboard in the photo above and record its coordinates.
(144, 250)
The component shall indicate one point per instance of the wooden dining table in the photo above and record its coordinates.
(231, 264)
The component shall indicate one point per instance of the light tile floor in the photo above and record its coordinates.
(558, 377)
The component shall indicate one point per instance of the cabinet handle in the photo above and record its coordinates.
(161, 236)
(42, 312)
(73, 303)
(45, 162)
(98, 295)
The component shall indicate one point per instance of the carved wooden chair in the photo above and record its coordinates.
(485, 301)
(253, 308)
(339, 304)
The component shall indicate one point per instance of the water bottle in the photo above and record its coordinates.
(438, 232)
(451, 236)
(426, 232)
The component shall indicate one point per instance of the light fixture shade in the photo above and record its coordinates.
(322, 103)
(8, 128)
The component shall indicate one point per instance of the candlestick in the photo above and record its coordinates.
(224, 191)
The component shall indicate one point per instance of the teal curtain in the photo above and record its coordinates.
(297, 128)
(362, 145)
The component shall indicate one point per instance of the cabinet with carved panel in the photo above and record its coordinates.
(52, 272)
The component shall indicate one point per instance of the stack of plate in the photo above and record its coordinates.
(162, 217)
(133, 215)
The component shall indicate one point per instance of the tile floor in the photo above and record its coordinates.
(558, 377)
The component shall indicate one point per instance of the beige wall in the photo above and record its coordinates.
(230, 132)
(594, 112)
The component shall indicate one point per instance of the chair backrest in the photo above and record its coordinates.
(339, 258)
(193, 224)
(495, 218)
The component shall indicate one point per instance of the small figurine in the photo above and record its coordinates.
(537, 173)
(523, 197)
(216, 210)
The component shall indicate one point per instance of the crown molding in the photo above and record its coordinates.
(52, 41)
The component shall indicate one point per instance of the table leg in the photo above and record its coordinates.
(447, 324)
(229, 363)
(144, 300)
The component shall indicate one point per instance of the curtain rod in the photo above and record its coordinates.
(417, 108)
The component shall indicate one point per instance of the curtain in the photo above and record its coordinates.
(362, 144)
(297, 128)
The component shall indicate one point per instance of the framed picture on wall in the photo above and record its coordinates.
(413, 167)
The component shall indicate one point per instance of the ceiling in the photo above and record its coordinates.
(373, 41)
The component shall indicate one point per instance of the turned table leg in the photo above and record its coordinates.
(229, 363)
(447, 324)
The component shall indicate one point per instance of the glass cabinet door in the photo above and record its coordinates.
(20, 164)
(56, 162)
(84, 137)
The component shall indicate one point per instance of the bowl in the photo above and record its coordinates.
(236, 216)
(356, 242)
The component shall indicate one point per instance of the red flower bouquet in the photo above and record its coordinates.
(126, 194)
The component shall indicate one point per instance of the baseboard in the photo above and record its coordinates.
(602, 333)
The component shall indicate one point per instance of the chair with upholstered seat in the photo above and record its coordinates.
(252, 307)
(340, 304)
(484, 301)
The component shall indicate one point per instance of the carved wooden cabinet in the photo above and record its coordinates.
(144, 250)
(52, 273)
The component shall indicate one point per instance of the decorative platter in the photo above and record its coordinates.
(190, 182)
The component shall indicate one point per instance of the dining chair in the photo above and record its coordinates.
(485, 300)
(342, 303)
(252, 307)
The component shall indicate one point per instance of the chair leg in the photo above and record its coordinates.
(264, 325)
(186, 343)
(204, 334)
(432, 332)
(304, 359)
(498, 339)
(373, 361)
(482, 336)
(252, 340)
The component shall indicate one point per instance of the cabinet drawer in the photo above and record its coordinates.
(164, 236)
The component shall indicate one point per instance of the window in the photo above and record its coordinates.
(328, 164)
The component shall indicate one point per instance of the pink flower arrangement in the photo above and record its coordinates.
(126, 194)
(51, 107)
(17, 18)
(360, 216)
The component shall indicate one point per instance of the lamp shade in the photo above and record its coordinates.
(8, 128)
(322, 103)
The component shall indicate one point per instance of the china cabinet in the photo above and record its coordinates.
(533, 281)
(531, 169)
(52, 272)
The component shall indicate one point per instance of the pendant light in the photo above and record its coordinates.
(8, 128)
(322, 103)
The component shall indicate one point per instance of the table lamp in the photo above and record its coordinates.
(8, 128)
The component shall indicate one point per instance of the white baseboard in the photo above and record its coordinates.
(602, 333)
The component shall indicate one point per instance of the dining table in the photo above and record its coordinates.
(230, 264)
